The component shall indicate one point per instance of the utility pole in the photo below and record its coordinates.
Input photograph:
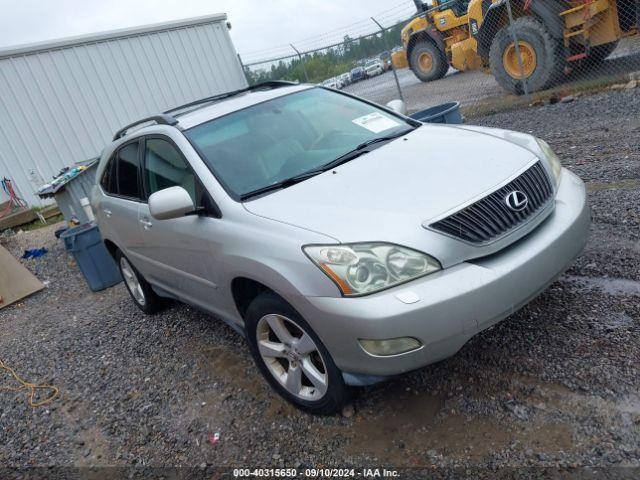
(304, 68)
(393, 68)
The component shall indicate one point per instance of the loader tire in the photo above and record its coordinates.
(428, 62)
(542, 57)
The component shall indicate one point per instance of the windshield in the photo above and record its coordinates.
(272, 141)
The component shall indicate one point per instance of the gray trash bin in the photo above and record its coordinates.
(96, 264)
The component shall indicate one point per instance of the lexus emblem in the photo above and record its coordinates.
(516, 201)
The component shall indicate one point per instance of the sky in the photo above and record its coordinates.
(260, 28)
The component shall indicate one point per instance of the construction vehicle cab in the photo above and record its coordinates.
(481, 34)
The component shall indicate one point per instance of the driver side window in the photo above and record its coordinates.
(165, 167)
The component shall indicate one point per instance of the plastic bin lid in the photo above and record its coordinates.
(72, 232)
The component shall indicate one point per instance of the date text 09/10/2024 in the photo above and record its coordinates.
(315, 473)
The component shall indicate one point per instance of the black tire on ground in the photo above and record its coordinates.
(549, 57)
(337, 393)
(599, 53)
(438, 66)
(151, 303)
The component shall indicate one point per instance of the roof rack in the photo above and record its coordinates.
(271, 84)
(168, 117)
(162, 119)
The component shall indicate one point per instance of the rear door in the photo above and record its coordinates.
(118, 208)
(176, 252)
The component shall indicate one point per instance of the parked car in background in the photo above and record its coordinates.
(313, 223)
(385, 60)
(357, 74)
(333, 82)
(373, 68)
(345, 78)
(330, 82)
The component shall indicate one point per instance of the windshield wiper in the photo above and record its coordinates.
(384, 138)
(362, 149)
(355, 153)
(287, 182)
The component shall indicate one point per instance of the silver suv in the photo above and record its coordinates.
(346, 242)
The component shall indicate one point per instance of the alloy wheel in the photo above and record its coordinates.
(292, 357)
(131, 279)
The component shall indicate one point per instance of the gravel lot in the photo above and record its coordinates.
(556, 384)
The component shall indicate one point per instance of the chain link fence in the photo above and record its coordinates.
(484, 54)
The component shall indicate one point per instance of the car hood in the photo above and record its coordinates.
(390, 193)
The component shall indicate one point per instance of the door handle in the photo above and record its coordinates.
(146, 224)
(108, 213)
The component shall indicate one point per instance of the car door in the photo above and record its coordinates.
(176, 252)
(118, 208)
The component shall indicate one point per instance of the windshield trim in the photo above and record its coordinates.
(238, 197)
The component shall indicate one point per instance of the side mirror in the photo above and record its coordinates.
(397, 106)
(172, 202)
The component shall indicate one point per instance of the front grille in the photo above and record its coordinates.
(490, 218)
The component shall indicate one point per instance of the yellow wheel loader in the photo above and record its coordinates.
(552, 36)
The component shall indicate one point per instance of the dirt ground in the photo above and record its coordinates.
(555, 385)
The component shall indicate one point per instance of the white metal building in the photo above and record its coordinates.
(61, 101)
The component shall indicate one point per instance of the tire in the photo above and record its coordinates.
(276, 357)
(435, 68)
(141, 292)
(542, 56)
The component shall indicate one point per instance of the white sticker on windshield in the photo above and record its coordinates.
(376, 122)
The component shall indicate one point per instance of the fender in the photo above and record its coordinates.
(431, 34)
(495, 16)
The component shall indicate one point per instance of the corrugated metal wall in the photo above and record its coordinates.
(62, 104)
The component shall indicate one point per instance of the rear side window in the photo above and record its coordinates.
(108, 180)
(128, 169)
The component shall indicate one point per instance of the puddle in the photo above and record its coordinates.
(619, 320)
(630, 404)
(611, 286)
(406, 422)
(420, 423)
(232, 368)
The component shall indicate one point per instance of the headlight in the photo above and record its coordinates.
(552, 159)
(361, 268)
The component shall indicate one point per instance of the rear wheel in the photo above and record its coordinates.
(291, 356)
(541, 61)
(428, 62)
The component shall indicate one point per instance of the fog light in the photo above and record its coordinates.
(391, 346)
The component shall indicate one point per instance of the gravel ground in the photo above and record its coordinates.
(556, 384)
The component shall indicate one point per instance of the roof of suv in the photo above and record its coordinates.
(200, 111)
(237, 102)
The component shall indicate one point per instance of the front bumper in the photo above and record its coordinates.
(455, 303)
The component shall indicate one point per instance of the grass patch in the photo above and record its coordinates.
(37, 224)
(512, 102)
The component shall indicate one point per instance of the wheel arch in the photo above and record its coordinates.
(244, 290)
(429, 35)
(496, 17)
(112, 248)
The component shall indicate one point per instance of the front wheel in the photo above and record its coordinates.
(541, 61)
(292, 358)
(428, 62)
